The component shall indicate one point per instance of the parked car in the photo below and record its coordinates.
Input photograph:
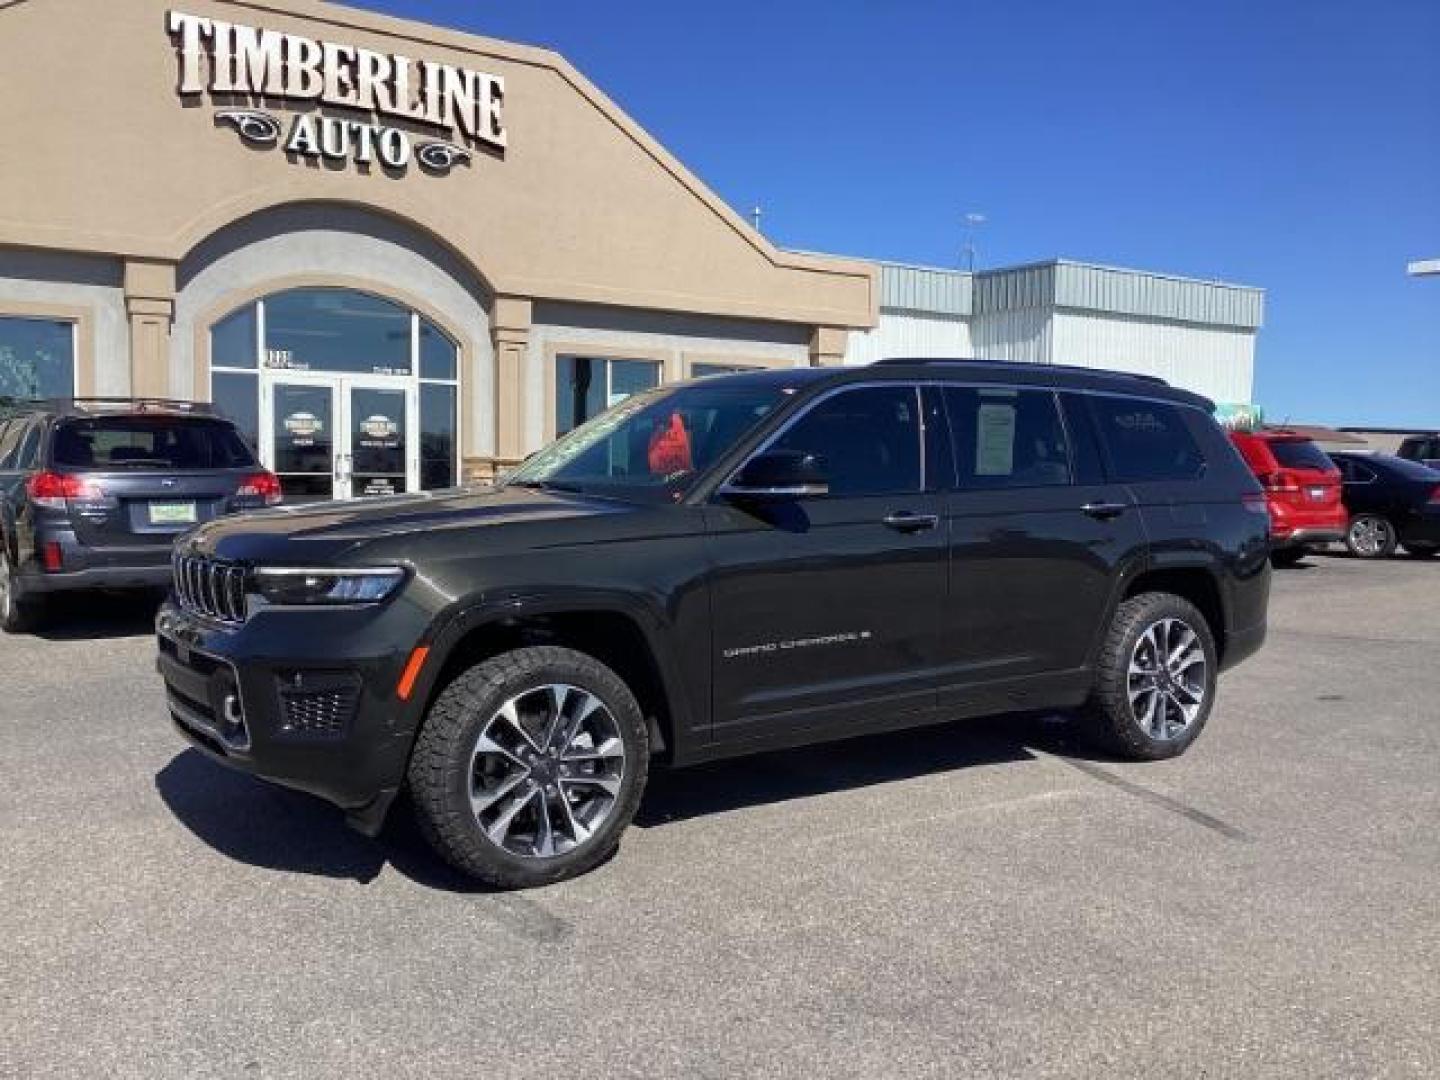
(1302, 490)
(1393, 502)
(717, 567)
(94, 491)
(1422, 448)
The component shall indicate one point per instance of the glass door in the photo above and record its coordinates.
(340, 438)
(300, 435)
(377, 457)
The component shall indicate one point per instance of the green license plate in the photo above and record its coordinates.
(172, 513)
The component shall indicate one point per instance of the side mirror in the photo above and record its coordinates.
(780, 474)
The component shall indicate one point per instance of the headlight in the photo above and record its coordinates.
(293, 587)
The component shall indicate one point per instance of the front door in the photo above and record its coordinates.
(339, 438)
(826, 610)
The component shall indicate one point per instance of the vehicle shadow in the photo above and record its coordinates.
(95, 616)
(264, 825)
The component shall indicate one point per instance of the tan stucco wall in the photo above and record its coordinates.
(105, 157)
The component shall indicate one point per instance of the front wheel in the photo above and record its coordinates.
(529, 766)
(1371, 536)
(1155, 679)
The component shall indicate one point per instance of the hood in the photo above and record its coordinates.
(322, 531)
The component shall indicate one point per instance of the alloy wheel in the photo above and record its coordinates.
(546, 771)
(1370, 536)
(1167, 679)
(7, 588)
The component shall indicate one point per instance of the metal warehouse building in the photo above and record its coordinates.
(351, 231)
(1195, 334)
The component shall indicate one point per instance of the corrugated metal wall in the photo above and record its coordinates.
(905, 334)
(1022, 287)
(1154, 296)
(1023, 336)
(924, 289)
(1215, 361)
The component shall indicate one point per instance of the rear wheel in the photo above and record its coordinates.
(1371, 536)
(1155, 680)
(1422, 551)
(16, 616)
(529, 767)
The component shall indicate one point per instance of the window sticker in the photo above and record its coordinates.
(995, 439)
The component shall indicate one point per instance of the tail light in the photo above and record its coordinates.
(1435, 495)
(264, 486)
(53, 491)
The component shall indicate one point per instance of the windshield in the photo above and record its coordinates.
(653, 446)
(150, 442)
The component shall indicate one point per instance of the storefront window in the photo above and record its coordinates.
(37, 358)
(336, 330)
(586, 387)
(269, 358)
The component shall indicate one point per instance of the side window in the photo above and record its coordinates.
(1084, 450)
(869, 439)
(28, 457)
(9, 441)
(1008, 438)
(1146, 440)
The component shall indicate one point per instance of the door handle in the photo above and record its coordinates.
(907, 521)
(1103, 511)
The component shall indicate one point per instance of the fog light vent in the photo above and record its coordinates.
(317, 706)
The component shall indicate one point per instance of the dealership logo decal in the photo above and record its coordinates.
(304, 425)
(379, 427)
(232, 61)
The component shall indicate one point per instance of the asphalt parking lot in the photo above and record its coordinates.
(980, 899)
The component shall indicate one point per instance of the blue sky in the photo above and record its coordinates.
(1294, 146)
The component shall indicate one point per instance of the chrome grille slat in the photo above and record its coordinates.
(211, 588)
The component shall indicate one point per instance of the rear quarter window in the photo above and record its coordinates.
(149, 442)
(1146, 440)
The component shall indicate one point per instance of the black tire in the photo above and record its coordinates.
(1110, 717)
(1371, 536)
(16, 615)
(1421, 551)
(442, 767)
(1283, 558)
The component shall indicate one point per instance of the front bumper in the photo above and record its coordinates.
(305, 699)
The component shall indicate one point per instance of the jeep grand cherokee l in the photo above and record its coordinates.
(717, 567)
(94, 491)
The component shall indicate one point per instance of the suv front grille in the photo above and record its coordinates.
(211, 588)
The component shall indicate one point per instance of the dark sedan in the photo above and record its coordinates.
(1392, 502)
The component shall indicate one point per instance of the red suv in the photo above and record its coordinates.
(1302, 490)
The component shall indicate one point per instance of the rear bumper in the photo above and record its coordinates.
(142, 566)
(1304, 536)
(1424, 529)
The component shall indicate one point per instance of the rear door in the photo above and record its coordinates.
(148, 477)
(1037, 533)
(826, 609)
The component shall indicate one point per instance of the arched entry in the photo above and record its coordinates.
(345, 394)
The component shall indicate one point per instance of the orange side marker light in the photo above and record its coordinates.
(411, 672)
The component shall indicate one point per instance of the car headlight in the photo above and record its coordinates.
(293, 587)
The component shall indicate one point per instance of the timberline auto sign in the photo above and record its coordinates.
(232, 61)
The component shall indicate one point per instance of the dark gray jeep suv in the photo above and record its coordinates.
(719, 567)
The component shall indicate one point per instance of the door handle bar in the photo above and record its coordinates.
(1103, 510)
(908, 521)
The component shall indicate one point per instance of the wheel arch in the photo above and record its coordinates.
(1197, 584)
(617, 631)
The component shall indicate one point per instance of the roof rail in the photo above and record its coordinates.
(907, 361)
(78, 406)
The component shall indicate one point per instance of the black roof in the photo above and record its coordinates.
(1003, 372)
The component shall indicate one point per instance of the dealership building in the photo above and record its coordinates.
(353, 231)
